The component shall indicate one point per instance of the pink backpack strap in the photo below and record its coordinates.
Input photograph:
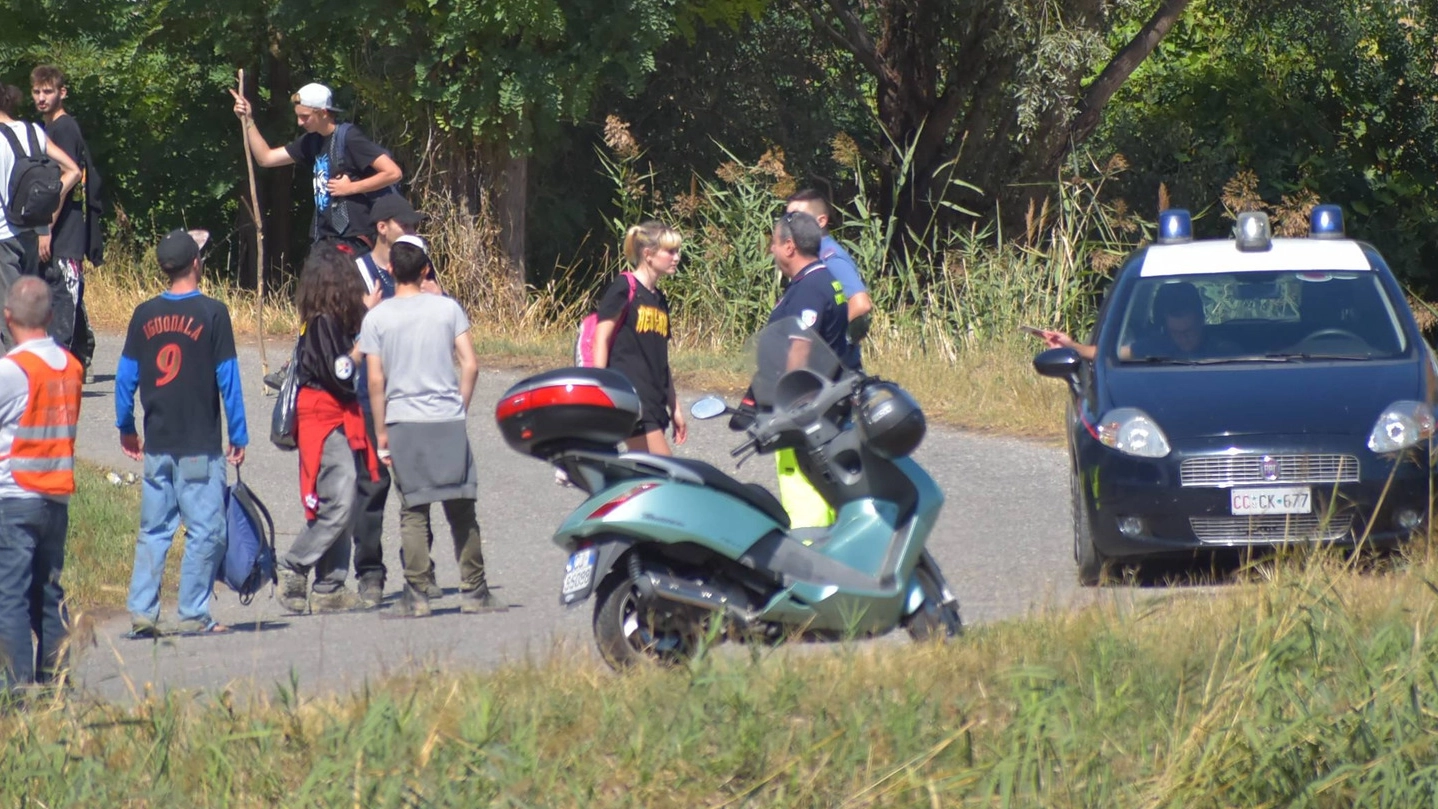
(628, 276)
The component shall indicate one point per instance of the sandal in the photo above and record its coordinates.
(143, 629)
(201, 627)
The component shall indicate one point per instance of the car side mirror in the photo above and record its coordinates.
(1060, 363)
(707, 408)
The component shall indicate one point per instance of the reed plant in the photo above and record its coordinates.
(944, 289)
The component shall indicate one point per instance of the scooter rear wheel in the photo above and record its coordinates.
(631, 631)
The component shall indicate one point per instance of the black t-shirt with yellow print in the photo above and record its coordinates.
(641, 345)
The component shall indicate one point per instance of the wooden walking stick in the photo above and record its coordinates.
(254, 206)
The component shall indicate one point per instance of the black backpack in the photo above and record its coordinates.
(35, 184)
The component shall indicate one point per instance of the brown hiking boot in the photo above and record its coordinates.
(479, 601)
(412, 602)
(340, 600)
(294, 591)
(371, 593)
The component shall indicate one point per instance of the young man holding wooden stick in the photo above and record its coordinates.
(349, 169)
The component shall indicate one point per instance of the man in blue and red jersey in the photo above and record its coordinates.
(180, 354)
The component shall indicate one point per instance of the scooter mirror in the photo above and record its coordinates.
(709, 407)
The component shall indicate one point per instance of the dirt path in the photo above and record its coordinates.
(1003, 541)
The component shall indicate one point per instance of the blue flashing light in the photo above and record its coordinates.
(1175, 226)
(1326, 222)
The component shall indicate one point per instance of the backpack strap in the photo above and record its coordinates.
(628, 304)
(339, 221)
(35, 150)
(15, 142)
(247, 497)
(337, 147)
(19, 153)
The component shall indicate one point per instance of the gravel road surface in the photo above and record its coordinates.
(1003, 541)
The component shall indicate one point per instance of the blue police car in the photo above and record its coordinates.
(1247, 391)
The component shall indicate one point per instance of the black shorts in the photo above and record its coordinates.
(648, 424)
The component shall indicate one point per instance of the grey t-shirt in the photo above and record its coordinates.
(414, 338)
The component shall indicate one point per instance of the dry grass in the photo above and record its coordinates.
(990, 387)
(987, 388)
(112, 292)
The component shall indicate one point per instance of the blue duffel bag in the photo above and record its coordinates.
(250, 542)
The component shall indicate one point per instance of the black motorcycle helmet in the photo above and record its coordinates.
(889, 420)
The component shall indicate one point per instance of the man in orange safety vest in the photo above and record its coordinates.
(40, 386)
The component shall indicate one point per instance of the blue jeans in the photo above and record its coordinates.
(192, 487)
(32, 555)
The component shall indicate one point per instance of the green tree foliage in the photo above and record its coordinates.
(462, 84)
(1326, 100)
(152, 115)
(992, 93)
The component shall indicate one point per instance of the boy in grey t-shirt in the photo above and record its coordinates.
(419, 404)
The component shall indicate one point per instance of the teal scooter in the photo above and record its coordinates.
(665, 545)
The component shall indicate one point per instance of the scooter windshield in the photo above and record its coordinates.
(787, 345)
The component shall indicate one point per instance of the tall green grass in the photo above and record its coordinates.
(945, 289)
(1310, 686)
(100, 546)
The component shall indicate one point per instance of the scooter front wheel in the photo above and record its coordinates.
(631, 630)
(935, 618)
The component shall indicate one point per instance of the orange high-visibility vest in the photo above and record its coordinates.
(42, 456)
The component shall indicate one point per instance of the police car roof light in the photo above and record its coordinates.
(1326, 222)
(1175, 226)
(1253, 232)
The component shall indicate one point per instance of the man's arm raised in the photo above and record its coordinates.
(264, 155)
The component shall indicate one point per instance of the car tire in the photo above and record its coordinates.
(1092, 564)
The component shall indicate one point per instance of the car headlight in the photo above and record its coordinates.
(1130, 430)
(1401, 426)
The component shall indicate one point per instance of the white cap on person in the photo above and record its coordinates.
(317, 97)
(410, 238)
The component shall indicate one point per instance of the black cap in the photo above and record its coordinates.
(180, 248)
(396, 207)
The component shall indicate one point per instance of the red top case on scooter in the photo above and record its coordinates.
(569, 408)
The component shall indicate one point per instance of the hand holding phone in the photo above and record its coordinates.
(1039, 333)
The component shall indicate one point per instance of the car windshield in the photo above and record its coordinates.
(1288, 316)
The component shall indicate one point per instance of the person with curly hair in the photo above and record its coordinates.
(334, 447)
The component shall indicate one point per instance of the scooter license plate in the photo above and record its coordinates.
(579, 573)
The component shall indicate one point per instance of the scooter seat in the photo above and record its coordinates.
(709, 475)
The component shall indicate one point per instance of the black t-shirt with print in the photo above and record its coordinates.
(178, 344)
(67, 237)
(324, 359)
(641, 345)
(817, 299)
(313, 149)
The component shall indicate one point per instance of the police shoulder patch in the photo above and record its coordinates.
(809, 317)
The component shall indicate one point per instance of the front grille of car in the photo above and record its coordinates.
(1269, 529)
(1234, 470)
